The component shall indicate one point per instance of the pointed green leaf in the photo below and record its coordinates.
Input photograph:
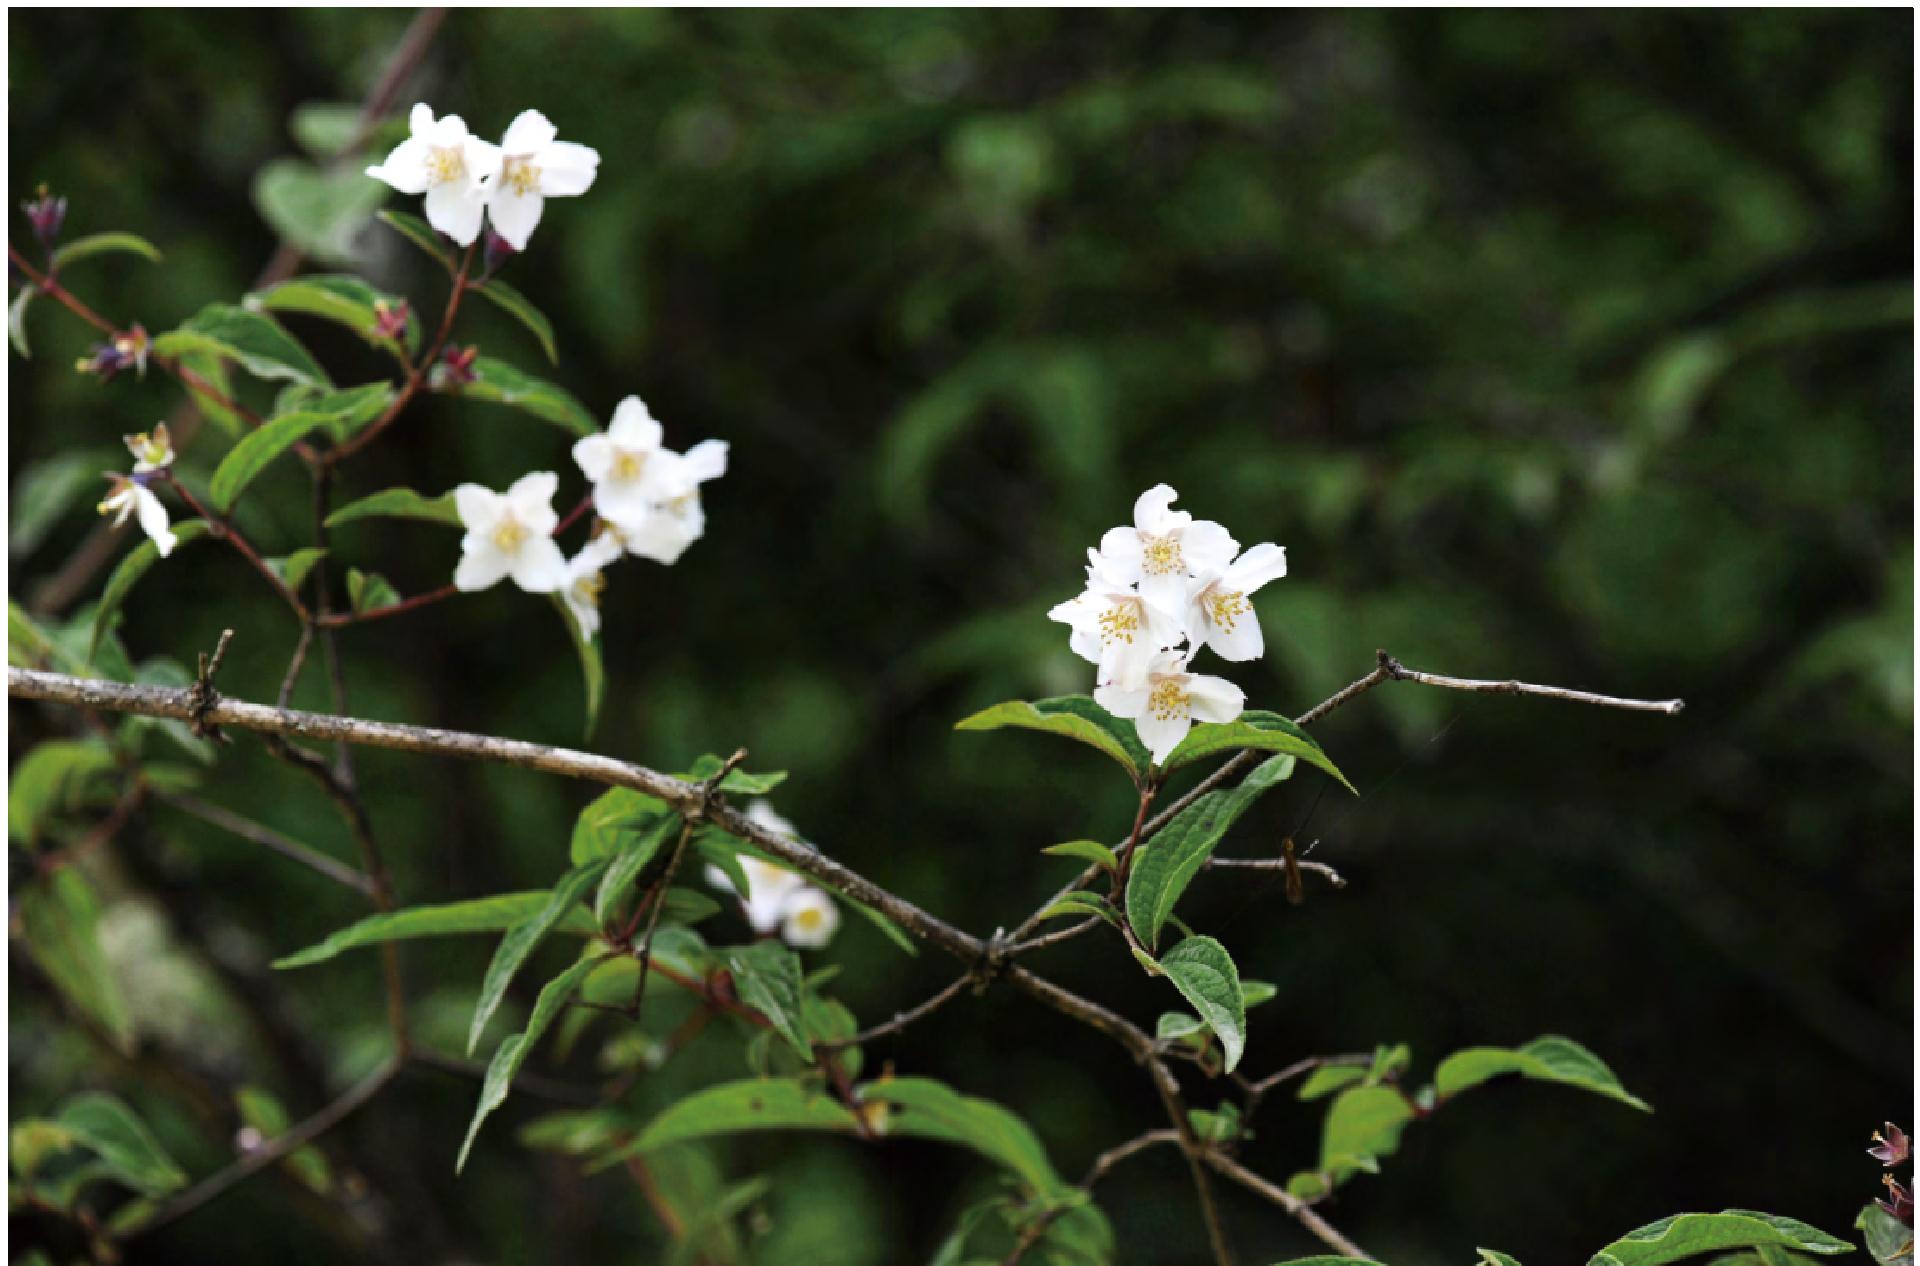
(515, 305)
(127, 574)
(1493, 1257)
(17, 321)
(627, 865)
(513, 1052)
(1203, 971)
(930, 1109)
(294, 568)
(59, 921)
(611, 821)
(523, 938)
(1888, 1239)
(1555, 1059)
(256, 448)
(738, 1106)
(1686, 1234)
(122, 1139)
(888, 928)
(216, 372)
(1072, 716)
(1087, 851)
(497, 382)
(420, 233)
(1172, 856)
(1078, 905)
(399, 503)
(369, 592)
(343, 300)
(103, 244)
(1176, 1025)
(1327, 1079)
(349, 410)
(767, 976)
(482, 914)
(253, 340)
(1363, 1125)
(1258, 731)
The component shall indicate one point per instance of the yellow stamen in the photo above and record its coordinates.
(628, 464)
(1225, 609)
(1119, 622)
(1168, 702)
(521, 176)
(1161, 556)
(446, 163)
(510, 535)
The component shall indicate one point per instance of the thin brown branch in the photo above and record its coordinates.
(905, 1018)
(1400, 672)
(265, 836)
(1299, 1209)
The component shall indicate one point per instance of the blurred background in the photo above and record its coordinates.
(1571, 347)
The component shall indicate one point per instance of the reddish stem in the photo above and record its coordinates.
(573, 515)
(234, 537)
(344, 618)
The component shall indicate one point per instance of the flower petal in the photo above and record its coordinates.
(1206, 546)
(567, 170)
(538, 566)
(532, 500)
(1213, 698)
(634, 427)
(452, 210)
(482, 565)
(593, 454)
(1162, 734)
(1121, 701)
(810, 919)
(479, 508)
(529, 131)
(1241, 642)
(153, 519)
(405, 168)
(1152, 509)
(704, 461)
(1265, 561)
(515, 215)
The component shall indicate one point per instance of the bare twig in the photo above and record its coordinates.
(1300, 1210)
(1400, 672)
(905, 1018)
(265, 836)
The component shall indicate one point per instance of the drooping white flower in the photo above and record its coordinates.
(583, 584)
(1165, 547)
(1218, 611)
(152, 450)
(769, 888)
(1114, 627)
(453, 167)
(535, 166)
(510, 534)
(132, 496)
(810, 919)
(667, 527)
(1166, 705)
(629, 469)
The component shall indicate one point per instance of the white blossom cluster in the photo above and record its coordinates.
(778, 899)
(131, 494)
(465, 178)
(1157, 592)
(646, 495)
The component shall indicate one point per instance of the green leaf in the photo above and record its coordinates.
(1256, 992)
(611, 822)
(737, 1106)
(930, 1109)
(211, 368)
(627, 865)
(399, 503)
(59, 921)
(497, 382)
(513, 1052)
(104, 244)
(767, 976)
(1219, 1126)
(47, 490)
(369, 592)
(122, 1139)
(592, 672)
(1078, 905)
(1493, 1257)
(1172, 856)
(1202, 970)
(60, 776)
(1363, 1125)
(1256, 730)
(738, 782)
(1684, 1235)
(420, 233)
(888, 928)
(1072, 716)
(1176, 1026)
(127, 574)
(349, 409)
(482, 914)
(1087, 851)
(255, 341)
(17, 321)
(1324, 1081)
(255, 450)
(343, 300)
(1889, 1240)
(323, 128)
(294, 568)
(1555, 1059)
(515, 305)
(523, 938)
(320, 210)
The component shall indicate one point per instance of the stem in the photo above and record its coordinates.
(345, 618)
(233, 536)
(291, 849)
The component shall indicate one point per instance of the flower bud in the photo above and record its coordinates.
(498, 251)
(122, 352)
(390, 319)
(47, 214)
(456, 366)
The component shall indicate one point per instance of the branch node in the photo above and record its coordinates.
(992, 962)
(202, 698)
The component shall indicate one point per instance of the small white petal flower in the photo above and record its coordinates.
(1114, 627)
(510, 534)
(454, 168)
(664, 530)
(151, 450)
(535, 166)
(583, 584)
(769, 887)
(1218, 611)
(133, 497)
(810, 919)
(1165, 547)
(629, 469)
(1171, 699)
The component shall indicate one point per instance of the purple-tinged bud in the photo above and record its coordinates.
(456, 366)
(47, 214)
(498, 251)
(390, 319)
(1893, 1147)
(1899, 1201)
(122, 352)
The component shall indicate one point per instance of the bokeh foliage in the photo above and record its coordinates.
(1572, 347)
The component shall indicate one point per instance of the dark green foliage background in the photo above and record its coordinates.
(1572, 347)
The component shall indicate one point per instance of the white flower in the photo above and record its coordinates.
(769, 888)
(151, 450)
(668, 526)
(762, 813)
(132, 496)
(1218, 612)
(810, 919)
(1114, 627)
(581, 588)
(510, 534)
(629, 469)
(1165, 707)
(454, 168)
(1165, 547)
(536, 166)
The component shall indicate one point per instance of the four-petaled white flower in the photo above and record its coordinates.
(1165, 706)
(583, 584)
(1165, 547)
(132, 496)
(535, 166)
(810, 919)
(769, 888)
(629, 469)
(1218, 611)
(668, 526)
(1115, 627)
(510, 534)
(454, 168)
(778, 899)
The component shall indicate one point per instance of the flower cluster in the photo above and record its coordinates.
(647, 498)
(131, 495)
(776, 898)
(465, 178)
(1157, 592)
